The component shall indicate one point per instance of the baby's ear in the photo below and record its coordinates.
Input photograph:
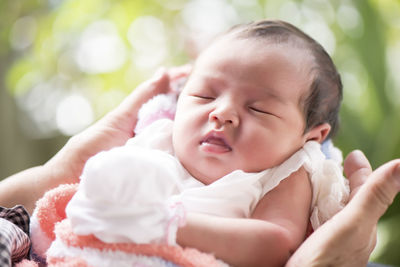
(318, 133)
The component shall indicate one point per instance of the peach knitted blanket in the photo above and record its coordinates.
(55, 244)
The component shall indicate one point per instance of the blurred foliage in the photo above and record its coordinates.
(64, 63)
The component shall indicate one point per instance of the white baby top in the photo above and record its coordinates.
(135, 193)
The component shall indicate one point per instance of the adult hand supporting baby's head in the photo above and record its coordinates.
(349, 237)
(112, 130)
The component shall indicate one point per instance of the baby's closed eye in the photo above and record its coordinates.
(262, 111)
(203, 96)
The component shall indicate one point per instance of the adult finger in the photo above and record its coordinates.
(348, 238)
(158, 84)
(180, 71)
(378, 192)
(124, 117)
(178, 77)
(357, 169)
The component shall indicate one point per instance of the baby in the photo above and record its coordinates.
(244, 146)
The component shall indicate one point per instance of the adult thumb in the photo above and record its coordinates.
(378, 192)
(158, 84)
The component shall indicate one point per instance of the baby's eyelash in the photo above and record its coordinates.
(262, 111)
(204, 97)
(258, 110)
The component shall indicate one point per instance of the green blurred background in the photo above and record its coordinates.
(65, 63)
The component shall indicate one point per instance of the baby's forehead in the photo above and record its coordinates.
(255, 57)
(257, 82)
(257, 46)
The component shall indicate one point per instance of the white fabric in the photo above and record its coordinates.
(134, 192)
(121, 196)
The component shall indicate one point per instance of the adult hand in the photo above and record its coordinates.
(114, 129)
(66, 166)
(350, 236)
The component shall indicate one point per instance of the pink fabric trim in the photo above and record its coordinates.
(186, 257)
(178, 220)
(26, 263)
(51, 207)
(67, 261)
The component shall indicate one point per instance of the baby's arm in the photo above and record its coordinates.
(288, 207)
(277, 227)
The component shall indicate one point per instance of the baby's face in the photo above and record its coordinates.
(240, 108)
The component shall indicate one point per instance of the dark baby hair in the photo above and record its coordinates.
(322, 102)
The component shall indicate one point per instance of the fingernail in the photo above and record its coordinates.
(396, 172)
(396, 175)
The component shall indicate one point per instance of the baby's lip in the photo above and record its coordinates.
(215, 142)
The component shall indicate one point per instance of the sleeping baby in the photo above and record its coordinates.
(243, 150)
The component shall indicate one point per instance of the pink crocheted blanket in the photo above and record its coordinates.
(55, 244)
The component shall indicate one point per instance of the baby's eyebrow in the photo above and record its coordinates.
(272, 94)
(214, 80)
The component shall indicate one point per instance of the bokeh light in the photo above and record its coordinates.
(148, 38)
(23, 33)
(100, 49)
(73, 114)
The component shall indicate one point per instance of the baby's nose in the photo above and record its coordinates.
(224, 115)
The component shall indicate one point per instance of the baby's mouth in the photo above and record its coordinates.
(215, 143)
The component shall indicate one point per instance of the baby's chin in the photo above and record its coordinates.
(209, 176)
(205, 179)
